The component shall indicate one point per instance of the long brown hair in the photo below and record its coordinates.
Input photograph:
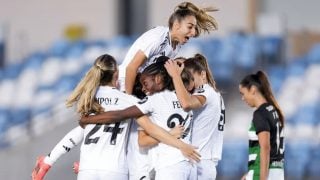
(101, 73)
(205, 22)
(199, 63)
(260, 80)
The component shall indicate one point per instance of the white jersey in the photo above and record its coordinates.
(153, 43)
(104, 145)
(165, 111)
(208, 125)
(137, 157)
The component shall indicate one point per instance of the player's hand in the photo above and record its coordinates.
(173, 69)
(84, 121)
(177, 131)
(41, 169)
(76, 167)
(190, 152)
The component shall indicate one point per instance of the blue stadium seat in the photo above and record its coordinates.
(276, 76)
(1, 74)
(59, 48)
(76, 49)
(12, 71)
(4, 119)
(296, 67)
(306, 114)
(234, 160)
(297, 156)
(271, 49)
(98, 43)
(19, 116)
(66, 84)
(121, 41)
(220, 55)
(314, 54)
(34, 61)
(247, 52)
(313, 167)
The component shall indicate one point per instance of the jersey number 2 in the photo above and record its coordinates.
(115, 130)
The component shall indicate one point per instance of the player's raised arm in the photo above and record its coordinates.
(132, 70)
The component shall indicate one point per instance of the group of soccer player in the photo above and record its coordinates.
(156, 117)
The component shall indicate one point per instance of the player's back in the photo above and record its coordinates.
(104, 145)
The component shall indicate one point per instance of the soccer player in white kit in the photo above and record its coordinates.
(186, 21)
(103, 143)
(164, 110)
(98, 139)
(209, 112)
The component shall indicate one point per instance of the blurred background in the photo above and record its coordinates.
(47, 46)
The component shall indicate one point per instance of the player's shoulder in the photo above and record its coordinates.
(157, 96)
(205, 89)
(159, 29)
(156, 32)
(263, 110)
(128, 97)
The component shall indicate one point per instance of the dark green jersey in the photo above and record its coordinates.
(265, 118)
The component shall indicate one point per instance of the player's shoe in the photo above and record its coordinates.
(76, 167)
(40, 169)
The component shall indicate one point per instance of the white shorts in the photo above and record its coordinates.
(183, 170)
(274, 174)
(101, 175)
(206, 169)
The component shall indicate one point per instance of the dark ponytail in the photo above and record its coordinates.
(260, 80)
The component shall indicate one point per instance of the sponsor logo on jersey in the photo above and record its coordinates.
(200, 90)
(143, 100)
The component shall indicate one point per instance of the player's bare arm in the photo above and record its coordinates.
(111, 116)
(159, 133)
(147, 141)
(131, 70)
(264, 142)
(186, 100)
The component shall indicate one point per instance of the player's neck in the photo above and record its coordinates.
(260, 101)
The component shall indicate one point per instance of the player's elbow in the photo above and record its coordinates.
(131, 68)
(142, 143)
(145, 144)
(186, 106)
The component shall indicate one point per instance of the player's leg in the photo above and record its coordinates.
(69, 141)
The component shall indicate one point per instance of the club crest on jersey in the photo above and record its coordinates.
(145, 99)
(200, 90)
